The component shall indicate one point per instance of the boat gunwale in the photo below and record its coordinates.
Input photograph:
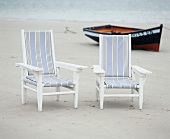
(109, 33)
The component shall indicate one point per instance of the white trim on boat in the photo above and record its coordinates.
(133, 35)
(156, 31)
(91, 34)
(145, 33)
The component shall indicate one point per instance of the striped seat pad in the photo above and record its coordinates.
(50, 81)
(126, 83)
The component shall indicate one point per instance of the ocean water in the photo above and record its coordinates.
(143, 11)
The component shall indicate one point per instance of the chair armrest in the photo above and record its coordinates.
(29, 67)
(98, 70)
(69, 66)
(139, 70)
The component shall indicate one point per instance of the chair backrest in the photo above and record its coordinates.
(115, 55)
(38, 50)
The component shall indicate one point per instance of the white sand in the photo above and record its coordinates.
(60, 120)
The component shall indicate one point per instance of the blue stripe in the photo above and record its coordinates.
(33, 49)
(43, 52)
(120, 56)
(104, 55)
(51, 81)
(51, 56)
(123, 82)
(109, 56)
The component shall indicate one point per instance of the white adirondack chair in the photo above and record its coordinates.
(39, 68)
(115, 71)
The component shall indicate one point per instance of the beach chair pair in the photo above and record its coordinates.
(39, 68)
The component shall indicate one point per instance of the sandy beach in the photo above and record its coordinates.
(120, 118)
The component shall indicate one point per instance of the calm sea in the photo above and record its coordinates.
(144, 11)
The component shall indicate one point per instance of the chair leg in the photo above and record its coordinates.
(76, 96)
(101, 97)
(76, 77)
(58, 90)
(101, 92)
(140, 98)
(23, 92)
(141, 82)
(97, 94)
(132, 92)
(39, 97)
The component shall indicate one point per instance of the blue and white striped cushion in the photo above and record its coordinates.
(126, 83)
(114, 55)
(50, 81)
(38, 47)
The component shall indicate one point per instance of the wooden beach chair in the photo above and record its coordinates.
(115, 71)
(39, 68)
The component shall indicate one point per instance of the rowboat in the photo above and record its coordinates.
(147, 39)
